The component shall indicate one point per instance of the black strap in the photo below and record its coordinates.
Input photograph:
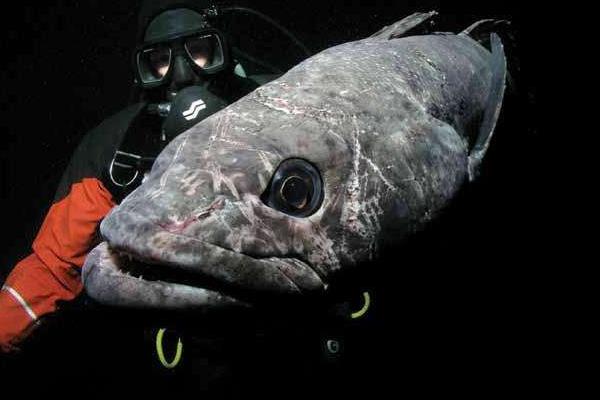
(135, 154)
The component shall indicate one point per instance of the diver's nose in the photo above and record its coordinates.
(182, 73)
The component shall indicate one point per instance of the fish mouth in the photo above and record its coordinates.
(116, 278)
(190, 274)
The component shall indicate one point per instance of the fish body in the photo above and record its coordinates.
(306, 177)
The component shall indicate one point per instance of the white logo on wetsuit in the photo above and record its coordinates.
(195, 108)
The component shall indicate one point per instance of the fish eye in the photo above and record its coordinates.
(296, 188)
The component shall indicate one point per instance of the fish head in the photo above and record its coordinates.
(281, 192)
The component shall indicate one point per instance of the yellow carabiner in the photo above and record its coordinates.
(161, 354)
(365, 307)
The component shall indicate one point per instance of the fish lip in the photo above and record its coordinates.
(221, 287)
(107, 284)
(280, 273)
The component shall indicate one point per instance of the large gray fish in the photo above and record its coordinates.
(306, 177)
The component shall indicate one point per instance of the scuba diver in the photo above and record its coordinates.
(184, 72)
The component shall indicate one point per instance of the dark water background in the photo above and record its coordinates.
(466, 299)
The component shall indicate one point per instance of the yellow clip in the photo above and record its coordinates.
(161, 354)
(364, 308)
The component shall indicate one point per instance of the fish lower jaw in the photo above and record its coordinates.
(116, 275)
(117, 278)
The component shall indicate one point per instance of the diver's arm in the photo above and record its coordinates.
(52, 273)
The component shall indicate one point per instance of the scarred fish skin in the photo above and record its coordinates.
(388, 123)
